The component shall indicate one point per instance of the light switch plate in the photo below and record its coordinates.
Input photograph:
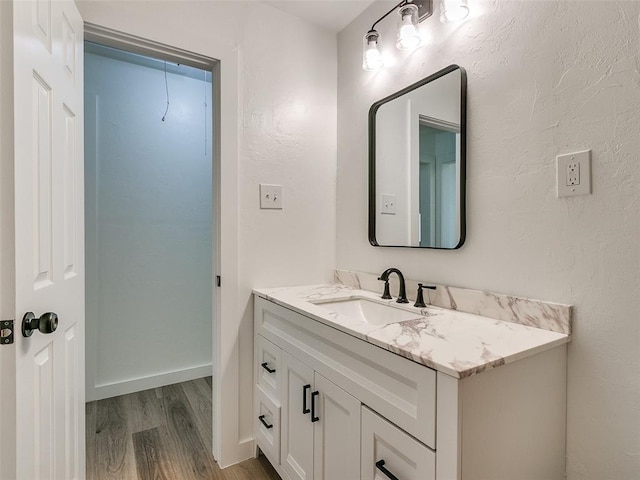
(388, 204)
(270, 196)
(573, 174)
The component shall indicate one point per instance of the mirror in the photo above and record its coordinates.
(417, 158)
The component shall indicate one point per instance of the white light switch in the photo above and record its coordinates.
(271, 196)
(388, 204)
(573, 174)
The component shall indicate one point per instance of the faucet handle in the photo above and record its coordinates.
(420, 298)
(386, 295)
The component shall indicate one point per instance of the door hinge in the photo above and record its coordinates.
(218, 280)
(6, 332)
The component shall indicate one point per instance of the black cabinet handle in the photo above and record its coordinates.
(262, 420)
(305, 410)
(265, 365)
(313, 406)
(380, 466)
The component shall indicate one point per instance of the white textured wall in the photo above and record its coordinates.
(287, 135)
(148, 223)
(544, 78)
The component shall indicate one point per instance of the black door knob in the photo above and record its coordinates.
(47, 323)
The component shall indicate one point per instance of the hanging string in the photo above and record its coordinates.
(166, 86)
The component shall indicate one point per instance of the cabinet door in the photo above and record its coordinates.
(388, 452)
(296, 449)
(336, 432)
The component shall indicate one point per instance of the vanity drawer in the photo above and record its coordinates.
(269, 368)
(267, 426)
(386, 448)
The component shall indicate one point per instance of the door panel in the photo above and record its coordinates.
(296, 454)
(41, 119)
(336, 433)
(49, 237)
(69, 185)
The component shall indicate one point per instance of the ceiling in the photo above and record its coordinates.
(333, 15)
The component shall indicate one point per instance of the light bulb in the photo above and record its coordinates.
(408, 35)
(453, 10)
(371, 57)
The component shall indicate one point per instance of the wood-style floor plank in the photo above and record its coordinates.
(144, 410)
(160, 434)
(198, 393)
(196, 461)
(113, 443)
(153, 461)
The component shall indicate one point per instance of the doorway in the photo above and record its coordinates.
(438, 164)
(148, 221)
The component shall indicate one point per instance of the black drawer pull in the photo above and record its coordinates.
(313, 406)
(380, 466)
(305, 410)
(265, 365)
(262, 420)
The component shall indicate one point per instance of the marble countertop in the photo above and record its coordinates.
(456, 343)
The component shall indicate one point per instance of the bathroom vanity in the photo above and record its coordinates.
(349, 386)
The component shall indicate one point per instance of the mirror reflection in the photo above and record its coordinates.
(417, 164)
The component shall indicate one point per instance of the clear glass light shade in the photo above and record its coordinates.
(408, 34)
(453, 10)
(371, 57)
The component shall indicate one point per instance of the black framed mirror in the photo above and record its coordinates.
(417, 164)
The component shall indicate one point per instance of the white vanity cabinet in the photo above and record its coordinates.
(330, 406)
(307, 424)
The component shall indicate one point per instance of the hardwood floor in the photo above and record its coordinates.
(160, 434)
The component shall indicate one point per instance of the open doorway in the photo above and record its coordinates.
(148, 221)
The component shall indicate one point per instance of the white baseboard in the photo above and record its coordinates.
(144, 383)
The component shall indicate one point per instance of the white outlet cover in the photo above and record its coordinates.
(388, 204)
(270, 196)
(563, 185)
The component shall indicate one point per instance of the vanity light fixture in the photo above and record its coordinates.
(410, 14)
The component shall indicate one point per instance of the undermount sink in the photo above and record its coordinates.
(368, 311)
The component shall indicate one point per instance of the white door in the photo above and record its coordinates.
(336, 433)
(296, 449)
(49, 238)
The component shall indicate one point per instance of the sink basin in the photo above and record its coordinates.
(367, 311)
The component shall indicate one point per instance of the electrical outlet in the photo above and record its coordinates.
(270, 196)
(573, 174)
(388, 204)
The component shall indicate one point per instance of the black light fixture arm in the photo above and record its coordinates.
(401, 4)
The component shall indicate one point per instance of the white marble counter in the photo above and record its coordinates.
(457, 343)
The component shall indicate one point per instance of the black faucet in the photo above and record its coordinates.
(419, 297)
(402, 294)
